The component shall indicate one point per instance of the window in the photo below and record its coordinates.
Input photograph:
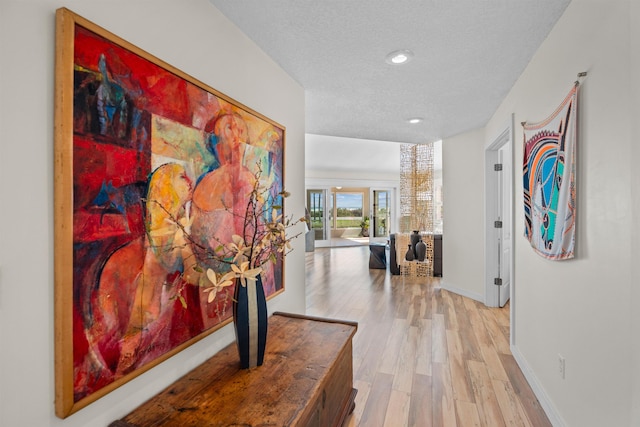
(349, 207)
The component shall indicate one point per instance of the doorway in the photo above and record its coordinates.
(320, 213)
(348, 213)
(381, 214)
(499, 286)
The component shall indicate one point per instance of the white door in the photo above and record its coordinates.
(380, 215)
(499, 284)
(504, 217)
(319, 206)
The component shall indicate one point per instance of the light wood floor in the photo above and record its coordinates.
(423, 356)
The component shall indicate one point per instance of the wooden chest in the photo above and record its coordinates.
(306, 380)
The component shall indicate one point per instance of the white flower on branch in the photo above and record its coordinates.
(219, 283)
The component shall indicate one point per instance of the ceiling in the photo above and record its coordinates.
(467, 56)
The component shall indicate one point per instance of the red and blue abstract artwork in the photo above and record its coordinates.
(160, 164)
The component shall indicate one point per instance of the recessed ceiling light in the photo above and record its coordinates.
(399, 57)
(415, 120)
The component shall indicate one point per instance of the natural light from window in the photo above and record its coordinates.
(349, 207)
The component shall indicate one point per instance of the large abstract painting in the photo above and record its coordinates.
(549, 170)
(150, 167)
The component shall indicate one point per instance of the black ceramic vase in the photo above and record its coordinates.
(421, 250)
(409, 256)
(250, 322)
(414, 239)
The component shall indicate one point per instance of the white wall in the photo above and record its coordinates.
(463, 206)
(192, 36)
(635, 197)
(582, 308)
(351, 158)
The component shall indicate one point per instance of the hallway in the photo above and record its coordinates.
(422, 356)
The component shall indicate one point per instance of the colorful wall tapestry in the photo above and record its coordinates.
(549, 170)
(153, 169)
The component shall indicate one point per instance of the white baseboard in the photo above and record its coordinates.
(463, 292)
(546, 403)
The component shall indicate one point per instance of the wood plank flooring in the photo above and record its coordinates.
(422, 356)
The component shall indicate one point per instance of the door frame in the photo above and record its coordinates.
(506, 136)
(326, 194)
(392, 206)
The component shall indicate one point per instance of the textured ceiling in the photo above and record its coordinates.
(468, 55)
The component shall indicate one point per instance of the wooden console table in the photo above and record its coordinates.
(306, 380)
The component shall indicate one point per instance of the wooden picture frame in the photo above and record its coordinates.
(145, 156)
